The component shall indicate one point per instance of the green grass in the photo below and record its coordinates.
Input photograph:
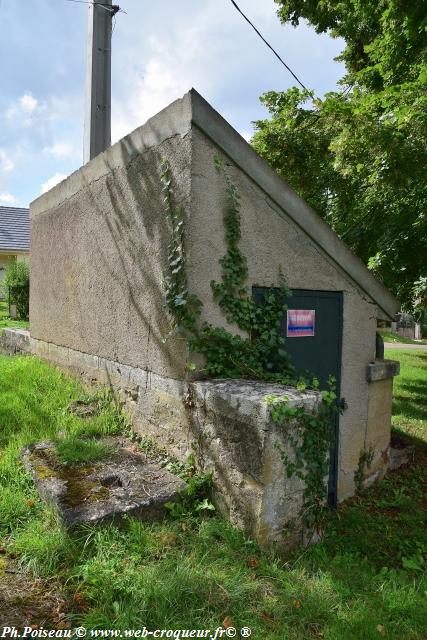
(410, 392)
(5, 321)
(390, 336)
(75, 450)
(365, 581)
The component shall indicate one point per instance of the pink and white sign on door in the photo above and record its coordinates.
(300, 323)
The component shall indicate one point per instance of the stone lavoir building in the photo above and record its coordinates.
(99, 254)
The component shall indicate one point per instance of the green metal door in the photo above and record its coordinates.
(313, 342)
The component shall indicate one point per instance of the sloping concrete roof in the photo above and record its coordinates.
(193, 110)
(242, 154)
(14, 229)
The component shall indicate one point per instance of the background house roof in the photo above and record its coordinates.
(14, 229)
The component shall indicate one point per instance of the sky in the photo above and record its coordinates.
(160, 50)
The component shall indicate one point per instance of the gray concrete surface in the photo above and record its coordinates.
(14, 340)
(382, 369)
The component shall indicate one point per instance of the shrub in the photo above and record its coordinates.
(16, 285)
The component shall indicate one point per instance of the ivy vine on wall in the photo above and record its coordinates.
(184, 308)
(258, 354)
(308, 437)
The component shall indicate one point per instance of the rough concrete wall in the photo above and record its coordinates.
(379, 426)
(269, 240)
(98, 259)
(153, 402)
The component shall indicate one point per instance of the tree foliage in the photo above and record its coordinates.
(359, 155)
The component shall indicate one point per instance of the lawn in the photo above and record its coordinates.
(410, 392)
(5, 321)
(365, 581)
(390, 336)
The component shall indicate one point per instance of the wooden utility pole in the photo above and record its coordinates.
(97, 129)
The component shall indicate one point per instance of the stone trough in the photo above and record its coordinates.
(124, 482)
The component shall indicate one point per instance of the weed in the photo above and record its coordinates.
(74, 450)
(194, 498)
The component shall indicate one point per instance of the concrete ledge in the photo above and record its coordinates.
(106, 371)
(154, 402)
(15, 340)
(125, 482)
(382, 369)
(102, 369)
(245, 399)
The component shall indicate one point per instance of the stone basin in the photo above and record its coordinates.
(126, 481)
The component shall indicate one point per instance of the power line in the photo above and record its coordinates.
(236, 6)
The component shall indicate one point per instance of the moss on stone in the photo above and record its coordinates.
(79, 487)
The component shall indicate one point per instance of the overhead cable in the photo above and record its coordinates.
(236, 6)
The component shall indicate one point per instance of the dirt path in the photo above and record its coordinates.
(28, 602)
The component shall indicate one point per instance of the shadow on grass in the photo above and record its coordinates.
(411, 408)
(409, 439)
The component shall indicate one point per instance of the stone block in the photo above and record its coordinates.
(15, 340)
(382, 369)
(238, 442)
(126, 482)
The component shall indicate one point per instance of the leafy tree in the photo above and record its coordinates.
(359, 156)
(16, 285)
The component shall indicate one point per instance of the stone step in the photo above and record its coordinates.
(125, 482)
